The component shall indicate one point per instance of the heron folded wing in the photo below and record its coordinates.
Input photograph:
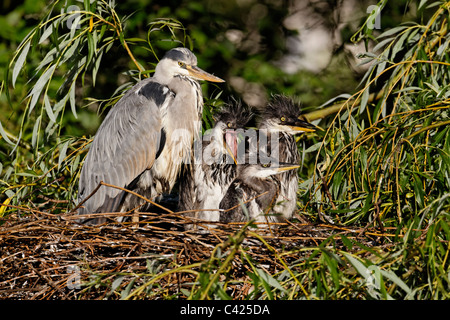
(125, 145)
(231, 204)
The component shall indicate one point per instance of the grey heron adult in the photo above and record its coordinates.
(145, 137)
(205, 182)
(282, 118)
(257, 187)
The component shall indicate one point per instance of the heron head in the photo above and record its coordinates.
(264, 171)
(283, 114)
(231, 117)
(182, 62)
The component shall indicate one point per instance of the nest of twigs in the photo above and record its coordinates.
(47, 256)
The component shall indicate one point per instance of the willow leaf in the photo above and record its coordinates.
(34, 138)
(20, 62)
(72, 100)
(46, 34)
(62, 153)
(364, 99)
(4, 135)
(40, 84)
(48, 109)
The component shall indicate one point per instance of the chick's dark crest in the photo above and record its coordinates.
(234, 114)
(282, 106)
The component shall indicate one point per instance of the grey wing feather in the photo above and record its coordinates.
(188, 189)
(125, 145)
(231, 199)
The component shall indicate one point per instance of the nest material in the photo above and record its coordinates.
(43, 254)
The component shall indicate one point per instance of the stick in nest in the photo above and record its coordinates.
(120, 188)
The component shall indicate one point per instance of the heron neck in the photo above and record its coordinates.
(161, 76)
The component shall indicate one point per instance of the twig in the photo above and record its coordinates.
(137, 195)
(327, 192)
(50, 282)
(86, 199)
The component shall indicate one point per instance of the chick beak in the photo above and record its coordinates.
(231, 144)
(302, 126)
(286, 167)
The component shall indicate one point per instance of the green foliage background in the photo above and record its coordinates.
(381, 162)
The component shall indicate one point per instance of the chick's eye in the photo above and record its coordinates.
(283, 119)
(265, 165)
(229, 124)
(181, 64)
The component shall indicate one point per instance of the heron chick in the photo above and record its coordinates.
(280, 121)
(255, 187)
(145, 137)
(204, 183)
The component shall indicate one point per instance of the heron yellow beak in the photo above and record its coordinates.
(283, 168)
(230, 143)
(301, 125)
(199, 74)
(230, 153)
(310, 126)
(302, 129)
